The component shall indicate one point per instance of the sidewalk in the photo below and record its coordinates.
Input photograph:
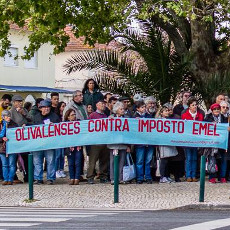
(145, 196)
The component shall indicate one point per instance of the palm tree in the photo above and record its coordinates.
(156, 69)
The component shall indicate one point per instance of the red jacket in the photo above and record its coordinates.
(187, 116)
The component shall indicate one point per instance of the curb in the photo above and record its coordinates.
(204, 207)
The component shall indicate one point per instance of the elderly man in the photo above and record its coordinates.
(22, 118)
(98, 152)
(77, 105)
(150, 103)
(46, 116)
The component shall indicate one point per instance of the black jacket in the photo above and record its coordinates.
(39, 118)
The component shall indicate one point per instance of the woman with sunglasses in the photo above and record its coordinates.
(192, 113)
(74, 154)
(224, 108)
(220, 154)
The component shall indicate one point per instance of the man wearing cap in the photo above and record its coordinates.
(21, 117)
(46, 116)
(126, 102)
(98, 152)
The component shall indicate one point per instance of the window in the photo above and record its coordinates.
(9, 59)
(32, 63)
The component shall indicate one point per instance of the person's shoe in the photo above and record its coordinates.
(62, 174)
(112, 182)
(82, 179)
(76, 182)
(189, 179)
(58, 174)
(17, 182)
(71, 182)
(139, 182)
(50, 182)
(38, 182)
(103, 181)
(178, 180)
(223, 180)
(164, 180)
(10, 183)
(213, 180)
(195, 180)
(149, 181)
(91, 181)
(5, 183)
(171, 180)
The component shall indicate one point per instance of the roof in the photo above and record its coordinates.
(76, 44)
(14, 88)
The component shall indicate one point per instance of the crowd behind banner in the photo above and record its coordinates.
(166, 164)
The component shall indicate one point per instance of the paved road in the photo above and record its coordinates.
(84, 219)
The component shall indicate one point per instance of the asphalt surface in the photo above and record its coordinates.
(85, 219)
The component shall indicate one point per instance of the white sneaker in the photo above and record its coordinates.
(62, 174)
(171, 180)
(164, 180)
(58, 174)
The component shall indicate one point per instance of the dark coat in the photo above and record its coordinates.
(92, 98)
(39, 118)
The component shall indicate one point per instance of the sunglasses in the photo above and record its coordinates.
(225, 107)
(216, 109)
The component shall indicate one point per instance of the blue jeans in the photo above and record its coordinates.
(75, 164)
(38, 159)
(60, 159)
(222, 166)
(144, 155)
(190, 162)
(8, 166)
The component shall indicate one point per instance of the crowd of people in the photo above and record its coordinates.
(152, 163)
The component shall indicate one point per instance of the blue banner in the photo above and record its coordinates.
(117, 131)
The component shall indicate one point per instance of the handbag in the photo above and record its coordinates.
(212, 166)
(129, 172)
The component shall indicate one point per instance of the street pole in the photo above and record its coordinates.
(31, 176)
(116, 176)
(202, 178)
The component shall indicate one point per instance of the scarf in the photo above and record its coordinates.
(81, 108)
(193, 114)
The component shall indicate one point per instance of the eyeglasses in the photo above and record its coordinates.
(225, 107)
(216, 109)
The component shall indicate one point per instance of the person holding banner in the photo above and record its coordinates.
(118, 112)
(144, 153)
(46, 116)
(22, 118)
(192, 113)
(220, 154)
(74, 154)
(98, 152)
(8, 161)
(166, 153)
